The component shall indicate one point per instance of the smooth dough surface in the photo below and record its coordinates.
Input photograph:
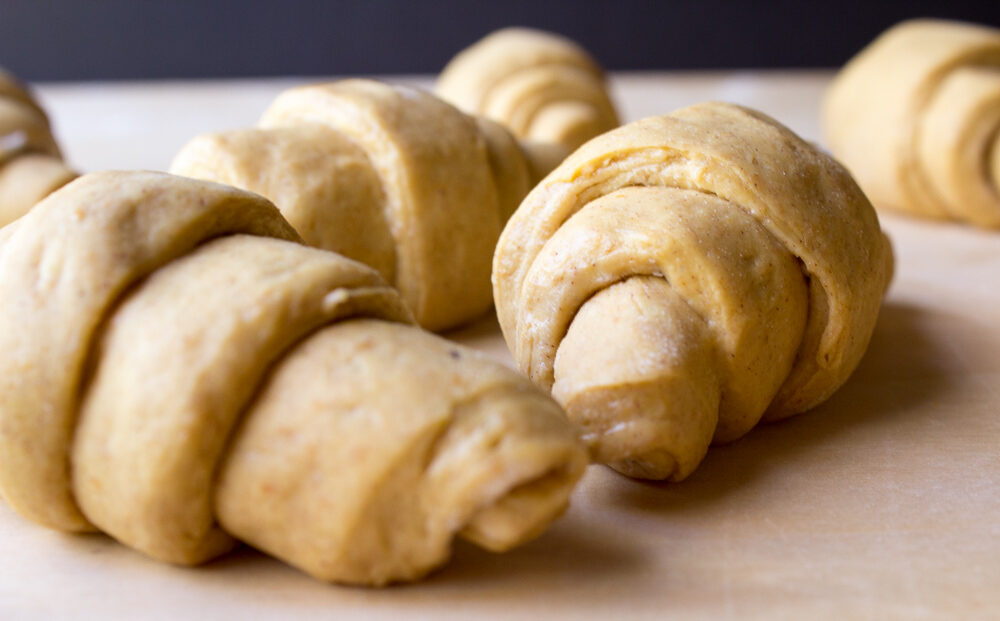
(542, 86)
(916, 117)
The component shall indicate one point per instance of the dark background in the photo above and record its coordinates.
(143, 39)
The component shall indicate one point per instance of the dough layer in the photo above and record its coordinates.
(387, 175)
(185, 374)
(678, 279)
(916, 117)
(543, 87)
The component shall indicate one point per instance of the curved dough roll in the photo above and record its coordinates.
(387, 175)
(183, 373)
(31, 165)
(543, 87)
(678, 278)
(916, 117)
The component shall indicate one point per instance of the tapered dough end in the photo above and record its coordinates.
(531, 461)
(393, 441)
(636, 372)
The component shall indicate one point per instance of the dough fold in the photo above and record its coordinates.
(185, 375)
(31, 164)
(916, 117)
(388, 175)
(678, 279)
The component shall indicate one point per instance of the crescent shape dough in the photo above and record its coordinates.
(388, 175)
(31, 165)
(543, 87)
(184, 375)
(916, 117)
(679, 278)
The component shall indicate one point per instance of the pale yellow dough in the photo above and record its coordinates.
(542, 86)
(31, 165)
(679, 278)
(183, 373)
(390, 176)
(916, 117)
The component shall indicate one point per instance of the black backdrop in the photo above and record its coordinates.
(144, 39)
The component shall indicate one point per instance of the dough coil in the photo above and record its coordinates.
(543, 87)
(678, 279)
(179, 373)
(916, 117)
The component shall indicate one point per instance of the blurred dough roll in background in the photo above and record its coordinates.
(543, 87)
(678, 279)
(31, 165)
(387, 175)
(184, 374)
(403, 181)
(916, 117)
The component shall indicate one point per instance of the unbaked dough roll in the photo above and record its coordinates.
(184, 373)
(916, 117)
(387, 175)
(31, 165)
(542, 86)
(677, 279)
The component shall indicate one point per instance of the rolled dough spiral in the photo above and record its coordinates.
(31, 165)
(542, 86)
(179, 373)
(388, 175)
(916, 117)
(679, 278)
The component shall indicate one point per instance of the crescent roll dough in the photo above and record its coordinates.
(679, 278)
(181, 374)
(31, 165)
(916, 117)
(387, 175)
(542, 86)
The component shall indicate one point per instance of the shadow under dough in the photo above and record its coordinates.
(909, 361)
(575, 546)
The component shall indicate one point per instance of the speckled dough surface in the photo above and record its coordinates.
(186, 374)
(677, 279)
